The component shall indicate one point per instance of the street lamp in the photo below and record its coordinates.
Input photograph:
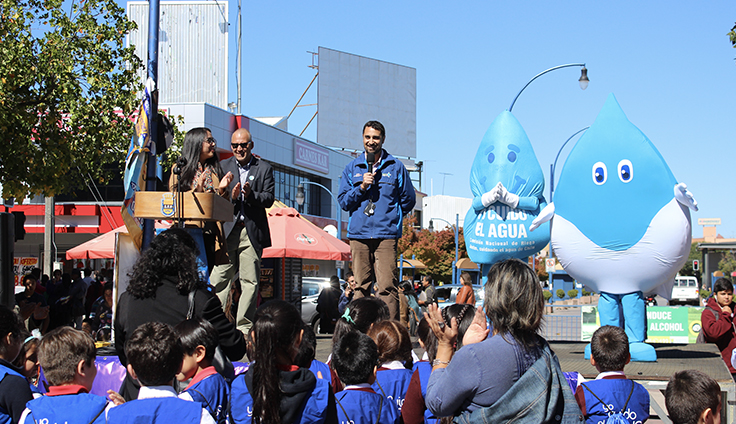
(583, 80)
(300, 201)
(457, 244)
(553, 167)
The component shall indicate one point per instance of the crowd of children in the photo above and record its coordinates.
(372, 375)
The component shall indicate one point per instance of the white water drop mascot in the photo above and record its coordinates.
(620, 222)
(507, 184)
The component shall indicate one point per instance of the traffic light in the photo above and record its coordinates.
(696, 265)
(20, 225)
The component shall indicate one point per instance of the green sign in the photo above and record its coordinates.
(665, 324)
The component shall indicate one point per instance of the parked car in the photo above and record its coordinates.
(447, 293)
(311, 288)
(685, 291)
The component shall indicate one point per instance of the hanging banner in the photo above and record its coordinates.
(665, 324)
(22, 266)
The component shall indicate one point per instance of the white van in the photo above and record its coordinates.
(685, 291)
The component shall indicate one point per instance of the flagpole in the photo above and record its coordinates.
(153, 29)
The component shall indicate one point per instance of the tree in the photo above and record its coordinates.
(434, 249)
(727, 265)
(732, 36)
(67, 88)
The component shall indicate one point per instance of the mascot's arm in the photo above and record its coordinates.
(545, 215)
(683, 195)
(527, 203)
(487, 199)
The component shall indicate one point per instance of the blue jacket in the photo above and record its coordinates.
(392, 192)
(314, 409)
(319, 366)
(613, 391)
(393, 384)
(83, 408)
(541, 395)
(212, 392)
(6, 410)
(156, 410)
(363, 407)
(424, 368)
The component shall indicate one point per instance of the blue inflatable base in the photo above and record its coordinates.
(640, 352)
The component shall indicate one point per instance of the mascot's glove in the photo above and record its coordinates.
(683, 195)
(508, 197)
(492, 196)
(545, 215)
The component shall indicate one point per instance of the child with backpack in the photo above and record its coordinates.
(717, 321)
(611, 397)
(199, 340)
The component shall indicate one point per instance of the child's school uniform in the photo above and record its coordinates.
(360, 404)
(613, 388)
(321, 370)
(14, 393)
(414, 409)
(159, 404)
(66, 404)
(305, 398)
(392, 381)
(211, 390)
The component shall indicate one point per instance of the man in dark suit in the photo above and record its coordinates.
(252, 191)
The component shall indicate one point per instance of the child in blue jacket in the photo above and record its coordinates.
(611, 392)
(199, 340)
(154, 354)
(355, 359)
(394, 356)
(14, 389)
(68, 360)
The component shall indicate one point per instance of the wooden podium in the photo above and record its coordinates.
(197, 206)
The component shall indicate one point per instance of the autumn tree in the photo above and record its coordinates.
(67, 87)
(434, 249)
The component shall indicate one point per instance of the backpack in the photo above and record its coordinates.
(701, 334)
(613, 417)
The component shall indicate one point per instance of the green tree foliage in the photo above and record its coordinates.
(572, 293)
(434, 249)
(727, 265)
(547, 295)
(67, 88)
(560, 293)
(732, 36)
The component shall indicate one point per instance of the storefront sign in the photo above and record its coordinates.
(310, 156)
(22, 266)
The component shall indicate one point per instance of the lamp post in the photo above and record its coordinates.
(583, 80)
(457, 243)
(553, 167)
(300, 201)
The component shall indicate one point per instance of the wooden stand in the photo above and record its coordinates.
(197, 206)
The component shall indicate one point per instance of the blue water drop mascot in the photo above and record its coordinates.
(507, 184)
(620, 222)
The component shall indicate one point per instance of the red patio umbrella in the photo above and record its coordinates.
(101, 247)
(292, 236)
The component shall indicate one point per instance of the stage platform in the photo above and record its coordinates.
(654, 375)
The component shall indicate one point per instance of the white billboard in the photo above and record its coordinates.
(354, 89)
(192, 50)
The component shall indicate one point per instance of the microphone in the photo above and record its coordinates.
(180, 163)
(370, 209)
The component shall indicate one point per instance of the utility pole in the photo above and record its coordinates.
(49, 228)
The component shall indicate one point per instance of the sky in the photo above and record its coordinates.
(670, 65)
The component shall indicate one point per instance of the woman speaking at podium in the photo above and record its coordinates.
(200, 171)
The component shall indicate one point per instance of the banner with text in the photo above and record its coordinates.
(665, 324)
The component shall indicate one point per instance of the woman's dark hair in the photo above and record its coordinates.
(335, 282)
(362, 312)
(10, 323)
(408, 288)
(393, 341)
(197, 332)
(191, 151)
(466, 279)
(172, 254)
(513, 301)
(722, 284)
(426, 335)
(463, 314)
(275, 329)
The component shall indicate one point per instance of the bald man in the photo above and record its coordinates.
(252, 190)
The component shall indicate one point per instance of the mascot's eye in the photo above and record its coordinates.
(512, 156)
(600, 173)
(491, 157)
(625, 170)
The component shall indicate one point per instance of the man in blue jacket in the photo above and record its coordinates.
(378, 194)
